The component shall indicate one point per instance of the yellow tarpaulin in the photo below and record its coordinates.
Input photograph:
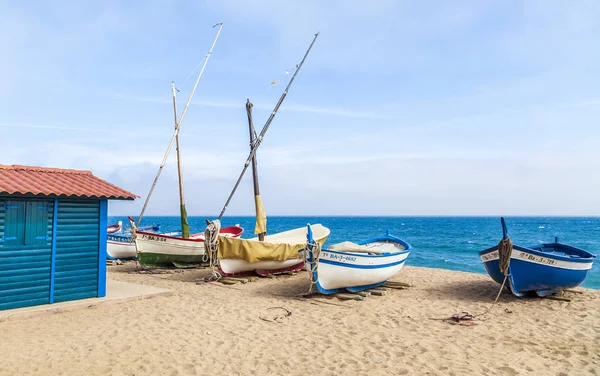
(254, 251)
(261, 217)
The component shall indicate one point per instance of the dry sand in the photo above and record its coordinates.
(213, 329)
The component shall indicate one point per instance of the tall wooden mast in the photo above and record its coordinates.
(185, 227)
(261, 219)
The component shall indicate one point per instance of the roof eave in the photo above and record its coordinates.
(83, 197)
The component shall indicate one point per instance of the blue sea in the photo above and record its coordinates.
(438, 242)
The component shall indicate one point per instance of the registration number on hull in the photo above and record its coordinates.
(342, 258)
(534, 258)
(153, 238)
(490, 256)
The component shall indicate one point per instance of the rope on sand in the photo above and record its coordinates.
(505, 248)
(278, 318)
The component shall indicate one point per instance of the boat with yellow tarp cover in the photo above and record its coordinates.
(277, 253)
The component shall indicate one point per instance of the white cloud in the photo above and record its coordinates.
(287, 107)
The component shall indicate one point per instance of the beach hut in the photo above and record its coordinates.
(52, 234)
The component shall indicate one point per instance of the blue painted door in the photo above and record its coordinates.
(25, 252)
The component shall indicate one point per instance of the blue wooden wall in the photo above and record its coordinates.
(77, 244)
(37, 267)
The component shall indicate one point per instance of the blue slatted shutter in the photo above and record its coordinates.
(14, 224)
(36, 229)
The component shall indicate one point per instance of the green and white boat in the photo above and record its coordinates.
(171, 249)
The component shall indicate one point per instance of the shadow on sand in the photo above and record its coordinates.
(475, 291)
(284, 286)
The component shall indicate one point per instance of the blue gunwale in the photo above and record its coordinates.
(584, 256)
(383, 238)
(354, 266)
(393, 238)
(355, 254)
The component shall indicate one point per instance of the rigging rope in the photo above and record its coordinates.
(177, 127)
(313, 248)
(211, 245)
(199, 63)
(191, 73)
(260, 137)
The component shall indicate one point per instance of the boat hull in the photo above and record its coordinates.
(121, 247)
(339, 271)
(296, 237)
(230, 267)
(158, 250)
(532, 270)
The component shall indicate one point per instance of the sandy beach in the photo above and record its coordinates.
(214, 329)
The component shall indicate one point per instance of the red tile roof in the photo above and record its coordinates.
(57, 182)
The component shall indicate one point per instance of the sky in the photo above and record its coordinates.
(401, 108)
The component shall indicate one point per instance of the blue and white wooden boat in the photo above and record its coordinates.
(544, 268)
(354, 267)
(120, 244)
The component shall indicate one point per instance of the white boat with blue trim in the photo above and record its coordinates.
(120, 244)
(354, 267)
(275, 254)
(543, 269)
